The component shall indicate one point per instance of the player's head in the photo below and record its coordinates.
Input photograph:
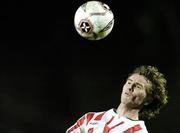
(156, 93)
(134, 92)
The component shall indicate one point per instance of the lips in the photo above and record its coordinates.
(126, 93)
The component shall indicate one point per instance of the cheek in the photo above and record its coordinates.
(139, 97)
(125, 87)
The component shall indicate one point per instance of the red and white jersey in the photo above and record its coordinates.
(107, 122)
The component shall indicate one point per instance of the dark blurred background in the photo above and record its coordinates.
(50, 76)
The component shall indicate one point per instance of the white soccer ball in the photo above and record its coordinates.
(94, 20)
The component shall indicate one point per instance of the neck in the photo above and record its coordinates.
(124, 110)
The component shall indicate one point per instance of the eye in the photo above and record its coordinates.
(128, 82)
(139, 87)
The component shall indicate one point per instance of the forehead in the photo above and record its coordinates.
(138, 78)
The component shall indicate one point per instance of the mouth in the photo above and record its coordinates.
(126, 93)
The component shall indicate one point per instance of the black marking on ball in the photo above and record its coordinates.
(85, 26)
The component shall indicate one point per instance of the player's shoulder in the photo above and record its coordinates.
(95, 113)
(98, 113)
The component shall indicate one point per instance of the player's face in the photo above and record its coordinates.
(134, 91)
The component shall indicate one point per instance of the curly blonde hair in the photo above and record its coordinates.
(157, 93)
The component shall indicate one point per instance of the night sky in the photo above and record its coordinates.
(50, 76)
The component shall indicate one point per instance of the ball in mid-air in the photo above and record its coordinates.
(94, 20)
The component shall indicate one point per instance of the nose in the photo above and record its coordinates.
(132, 87)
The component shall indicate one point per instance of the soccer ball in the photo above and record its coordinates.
(94, 20)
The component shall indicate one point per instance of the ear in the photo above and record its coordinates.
(146, 103)
(148, 100)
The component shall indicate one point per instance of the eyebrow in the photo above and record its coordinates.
(136, 82)
(130, 79)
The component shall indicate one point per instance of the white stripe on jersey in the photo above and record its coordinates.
(107, 122)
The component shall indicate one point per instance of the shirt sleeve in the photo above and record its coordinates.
(78, 127)
(143, 130)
